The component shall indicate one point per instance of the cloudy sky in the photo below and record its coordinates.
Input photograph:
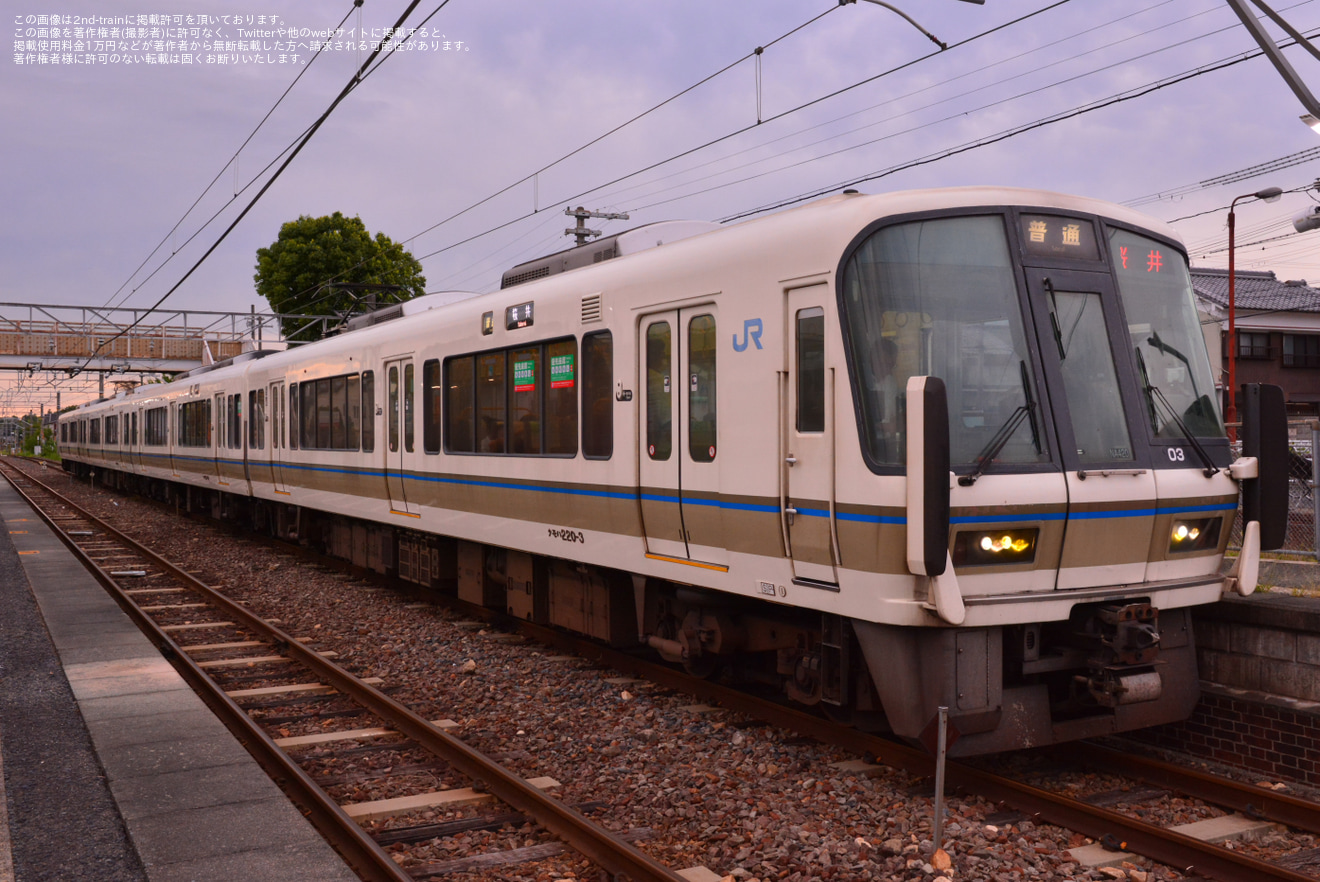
(110, 157)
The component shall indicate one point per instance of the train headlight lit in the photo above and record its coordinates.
(978, 548)
(1194, 535)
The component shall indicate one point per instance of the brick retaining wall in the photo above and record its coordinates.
(1247, 730)
(1259, 658)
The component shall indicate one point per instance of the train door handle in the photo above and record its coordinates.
(791, 460)
(789, 512)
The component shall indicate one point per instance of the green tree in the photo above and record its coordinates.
(332, 266)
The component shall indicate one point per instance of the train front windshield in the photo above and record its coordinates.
(1156, 290)
(941, 297)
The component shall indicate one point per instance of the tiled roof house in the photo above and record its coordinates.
(1278, 328)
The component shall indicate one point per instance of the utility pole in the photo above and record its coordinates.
(581, 230)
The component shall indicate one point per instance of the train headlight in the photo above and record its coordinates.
(1194, 535)
(978, 548)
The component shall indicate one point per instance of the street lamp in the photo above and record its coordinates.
(1269, 194)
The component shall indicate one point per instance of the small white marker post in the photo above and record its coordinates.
(939, 777)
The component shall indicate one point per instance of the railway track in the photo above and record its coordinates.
(1182, 852)
(244, 667)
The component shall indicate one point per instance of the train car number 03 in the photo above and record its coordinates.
(1176, 454)
(568, 535)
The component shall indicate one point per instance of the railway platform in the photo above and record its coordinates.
(111, 768)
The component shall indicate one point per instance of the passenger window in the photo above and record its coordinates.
(659, 402)
(525, 430)
(408, 407)
(459, 433)
(307, 394)
(293, 416)
(811, 370)
(701, 388)
(598, 395)
(432, 393)
(491, 403)
(561, 398)
(352, 411)
(368, 411)
(394, 408)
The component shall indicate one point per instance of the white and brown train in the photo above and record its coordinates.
(954, 448)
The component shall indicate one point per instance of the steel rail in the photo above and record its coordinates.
(1177, 850)
(1249, 799)
(592, 840)
(347, 837)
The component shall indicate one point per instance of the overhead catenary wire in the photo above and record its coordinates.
(534, 176)
(231, 161)
(311, 131)
(1004, 134)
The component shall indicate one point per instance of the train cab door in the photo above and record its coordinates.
(1110, 514)
(275, 439)
(680, 457)
(400, 433)
(807, 424)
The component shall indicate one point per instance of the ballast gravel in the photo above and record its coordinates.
(749, 802)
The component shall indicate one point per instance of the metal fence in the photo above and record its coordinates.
(1303, 518)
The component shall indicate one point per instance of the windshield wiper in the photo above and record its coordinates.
(1054, 318)
(1153, 395)
(996, 444)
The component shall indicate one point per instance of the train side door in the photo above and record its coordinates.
(807, 473)
(1111, 487)
(275, 435)
(679, 457)
(400, 434)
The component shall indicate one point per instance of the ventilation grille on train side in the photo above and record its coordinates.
(517, 279)
(592, 309)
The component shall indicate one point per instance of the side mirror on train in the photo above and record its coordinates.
(1265, 436)
(928, 460)
(928, 475)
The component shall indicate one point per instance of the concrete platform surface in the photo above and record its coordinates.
(129, 744)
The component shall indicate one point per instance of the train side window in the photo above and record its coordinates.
(597, 395)
(811, 370)
(338, 413)
(156, 430)
(64, 433)
(408, 385)
(561, 398)
(258, 416)
(394, 408)
(460, 434)
(368, 411)
(307, 406)
(112, 430)
(491, 402)
(236, 421)
(432, 393)
(659, 403)
(701, 388)
(525, 400)
(293, 416)
(254, 420)
(133, 438)
(96, 431)
(352, 411)
(322, 440)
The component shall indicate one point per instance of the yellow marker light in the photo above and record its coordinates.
(1198, 535)
(977, 548)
